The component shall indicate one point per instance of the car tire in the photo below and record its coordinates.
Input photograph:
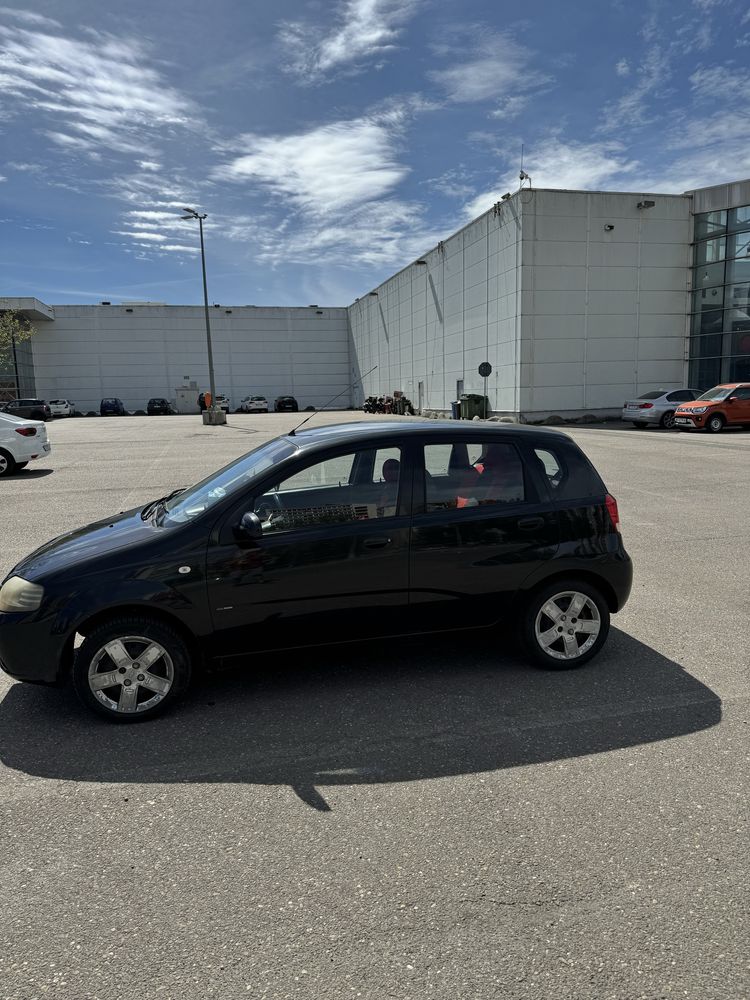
(715, 423)
(7, 463)
(547, 627)
(21, 465)
(112, 649)
(667, 420)
(640, 427)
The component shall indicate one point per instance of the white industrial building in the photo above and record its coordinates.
(577, 299)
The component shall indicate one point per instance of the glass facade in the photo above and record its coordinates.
(720, 320)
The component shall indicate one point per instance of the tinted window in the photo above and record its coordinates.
(462, 475)
(741, 393)
(569, 473)
(680, 396)
(652, 395)
(359, 486)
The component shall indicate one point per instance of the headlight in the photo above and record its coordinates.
(17, 594)
(697, 409)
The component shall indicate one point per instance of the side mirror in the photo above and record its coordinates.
(249, 528)
(731, 399)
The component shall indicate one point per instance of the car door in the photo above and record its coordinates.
(738, 411)
(332, 561)
(483, 522)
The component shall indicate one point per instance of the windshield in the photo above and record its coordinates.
(716, 394)
(196, 500)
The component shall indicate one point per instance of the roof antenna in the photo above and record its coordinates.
(350, 386)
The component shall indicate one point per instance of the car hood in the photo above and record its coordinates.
(61, 554)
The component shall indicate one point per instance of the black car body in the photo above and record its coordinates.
(344, 532)
(112, 407)
(31, 409)
(286, 404)
(158, 405)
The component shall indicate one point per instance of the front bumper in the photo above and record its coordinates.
(689, 422)
(30, 648)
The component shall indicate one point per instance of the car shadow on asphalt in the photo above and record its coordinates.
(387, 712)
(30, 473)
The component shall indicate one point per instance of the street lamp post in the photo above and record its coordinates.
(212, 414)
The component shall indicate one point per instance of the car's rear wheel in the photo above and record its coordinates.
(7, 463)
(565, 624)
(715, 423)
(667, 421)
(131, 668)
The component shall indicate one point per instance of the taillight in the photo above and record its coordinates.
(27, 432)
(614, 514)
(645, 406)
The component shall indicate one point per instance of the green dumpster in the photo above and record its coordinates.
(474, 405)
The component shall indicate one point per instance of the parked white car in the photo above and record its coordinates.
(62, 407)
(254, 404)
(21, 441)
(223, 402)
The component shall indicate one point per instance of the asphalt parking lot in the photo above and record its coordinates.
(420, 819)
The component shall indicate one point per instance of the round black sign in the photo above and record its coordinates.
(485, 369)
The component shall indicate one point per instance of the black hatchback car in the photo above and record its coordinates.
(345, 532)
(158, 405)
(286, 404)
(111, 406)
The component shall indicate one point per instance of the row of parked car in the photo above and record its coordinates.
(112, 406)
(726, 405)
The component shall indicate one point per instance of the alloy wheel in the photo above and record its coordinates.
(668, 419)
(131, 674)
(3, 464)
(567, 625)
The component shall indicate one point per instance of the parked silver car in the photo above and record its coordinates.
(656, 408)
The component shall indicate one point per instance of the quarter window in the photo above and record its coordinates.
(463, 475)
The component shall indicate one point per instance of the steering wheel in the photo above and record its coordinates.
(269, 505)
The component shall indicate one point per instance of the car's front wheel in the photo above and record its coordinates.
(715, 423)
(565, 624)
(131, 668)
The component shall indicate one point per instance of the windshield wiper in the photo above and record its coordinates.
(152, 505)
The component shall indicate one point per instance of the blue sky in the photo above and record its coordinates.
(332, 142)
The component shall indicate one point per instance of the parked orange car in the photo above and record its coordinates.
(723, 406)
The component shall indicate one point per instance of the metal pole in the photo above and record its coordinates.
(485, 397)
(212, 381)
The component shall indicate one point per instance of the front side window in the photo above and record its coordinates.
(680, 396)
(358, 486)
(461, 475)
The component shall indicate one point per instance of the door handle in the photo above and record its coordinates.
(530, 523)
(376, 543)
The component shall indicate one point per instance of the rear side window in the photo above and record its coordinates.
(569, 473)
(466, 474)
(681, 396)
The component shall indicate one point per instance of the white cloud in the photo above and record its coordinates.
(96, 93)
(557, 164)
(149, 165)
(727, 84)
(366, 29)
(498, 67)
(324, 170)
(622, 68)
(633, 108)
(511, 107)
(2, 178)
(28, 17)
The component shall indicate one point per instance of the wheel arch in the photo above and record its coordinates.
(98, 618)
(585, 576)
